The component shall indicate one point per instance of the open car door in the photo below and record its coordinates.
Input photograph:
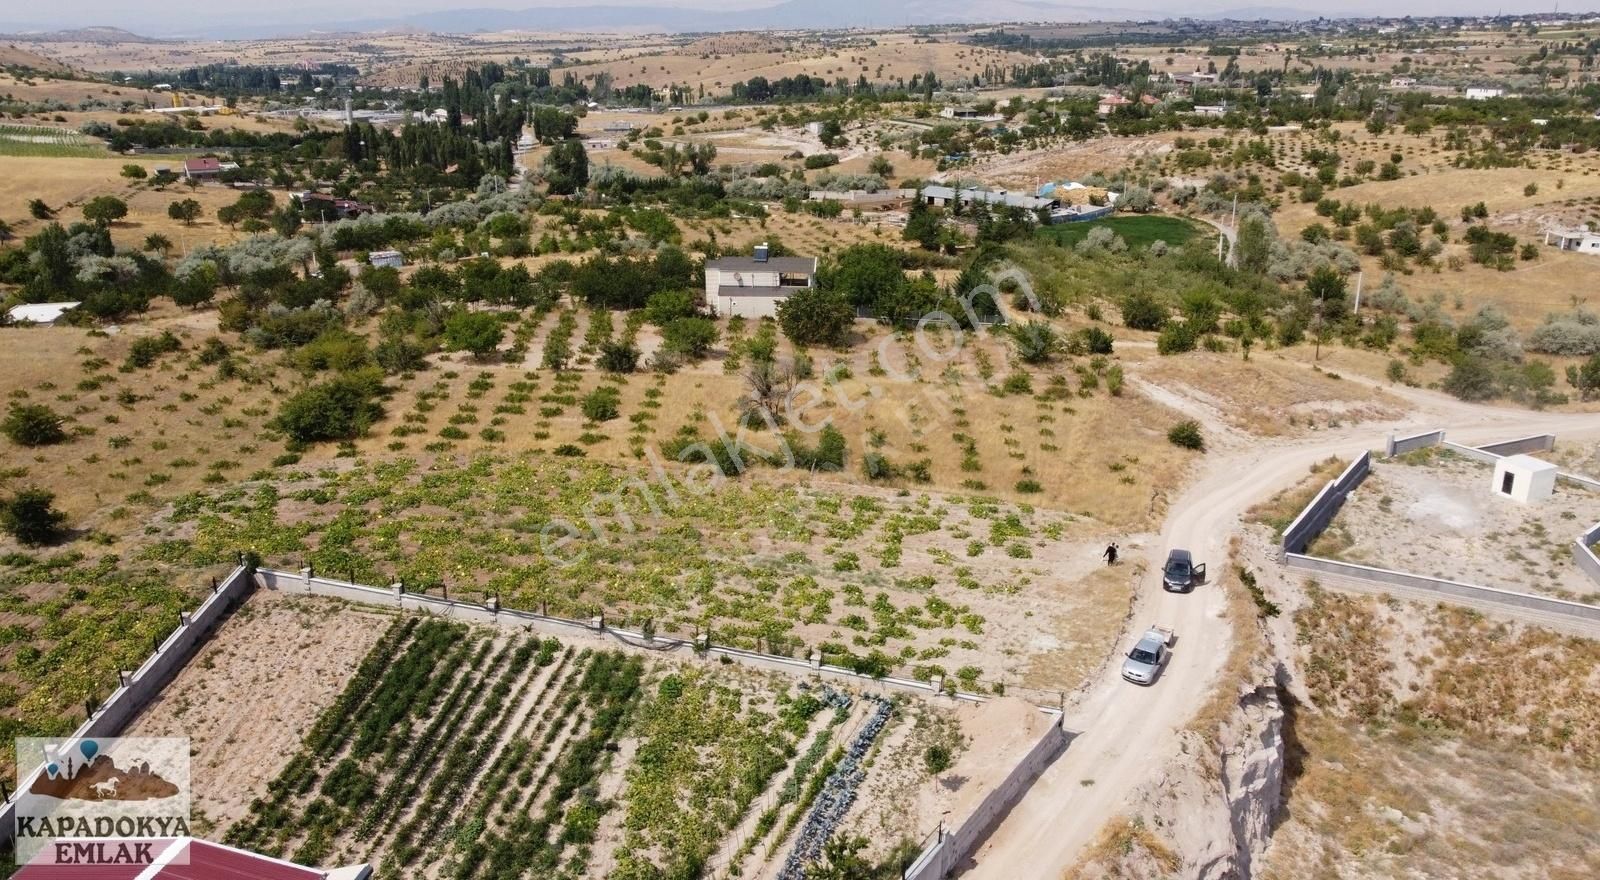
(1200, 574)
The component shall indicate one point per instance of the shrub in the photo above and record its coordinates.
(827, 455)
(814, 316)
(476, 332)
(1017, 383)
(341, 408)
(1096, 340)
(600, 405)
(618, 357)
(1176, 338)
(33, 424)
(937, 758)
(1470, 379)
(666, 306)
(876, 467)
(146, 349)
(1141, 311)
(398, 354)
(1186, 434)
(689, 337)
(821, 160)
(30, 516)
(1036, 342)
(1576, 333)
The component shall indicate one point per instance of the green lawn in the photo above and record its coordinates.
(1137, 230)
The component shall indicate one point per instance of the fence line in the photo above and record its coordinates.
(491, 613)
(1315, 516)
(950, 848)
(1521, 445)
(135, 690)
(1583, 552)
(1444, 587)
(1403, 445)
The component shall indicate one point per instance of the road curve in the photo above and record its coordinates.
(1128, 733)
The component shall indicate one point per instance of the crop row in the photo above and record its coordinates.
(837, 793)
(469, 752)
(610, 690)
(408, 644)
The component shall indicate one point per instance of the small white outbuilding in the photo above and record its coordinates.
(1524, 478)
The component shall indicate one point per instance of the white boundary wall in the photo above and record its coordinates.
(953, 847)
(396, 597)
(1317, 514)
(136, 690)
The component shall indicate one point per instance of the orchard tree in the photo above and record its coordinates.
(341, 408)
(105, 210)
(476, 332)
(813, 316)
(186, 210)
(566, 168)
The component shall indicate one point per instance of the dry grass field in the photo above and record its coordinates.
(66, 184)
(1438, 743)
(1271, 396)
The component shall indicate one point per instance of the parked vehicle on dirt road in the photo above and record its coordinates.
(1149, 656)
(1180, 574)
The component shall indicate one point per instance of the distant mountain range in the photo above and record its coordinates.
(791, 15)
(82, 35)
(787, 15)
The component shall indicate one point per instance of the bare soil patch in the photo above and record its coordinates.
(249, 695)
(1438, 517)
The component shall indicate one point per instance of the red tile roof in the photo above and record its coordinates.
(181, 859)
(205, 164)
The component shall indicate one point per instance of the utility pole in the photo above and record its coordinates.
(1360, 276)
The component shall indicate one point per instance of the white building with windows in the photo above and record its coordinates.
(1580, 239)
(753, 286)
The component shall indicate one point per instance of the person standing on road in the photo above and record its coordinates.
(1111, 554)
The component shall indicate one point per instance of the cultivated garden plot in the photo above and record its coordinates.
(1431, 512)
(459, 751)
(918, 584)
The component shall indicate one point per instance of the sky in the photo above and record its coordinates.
(174, 16)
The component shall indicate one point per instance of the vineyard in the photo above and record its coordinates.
(916, 585)
(467, 752)
(34, 140)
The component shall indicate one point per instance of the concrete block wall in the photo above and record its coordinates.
(135, 691)
(1402, 445)
(1315, 517)
(1584, 556)
(1472, 452)
(948, 851)
(1521, 445)
(396, 597)
(1453, 589)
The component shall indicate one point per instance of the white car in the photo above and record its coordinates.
(1149, 656)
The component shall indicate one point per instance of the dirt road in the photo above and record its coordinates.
(1127, 733)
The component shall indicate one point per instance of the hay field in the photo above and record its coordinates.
(895, 56)
(66, 184)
